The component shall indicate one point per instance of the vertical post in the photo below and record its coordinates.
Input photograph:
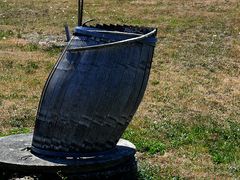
(68, 36)
(80, 12)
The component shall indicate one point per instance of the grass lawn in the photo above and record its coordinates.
(188, 125)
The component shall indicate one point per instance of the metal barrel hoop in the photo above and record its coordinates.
(131, 40)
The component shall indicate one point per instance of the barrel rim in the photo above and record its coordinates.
(150, 35)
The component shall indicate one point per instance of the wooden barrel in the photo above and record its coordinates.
(94, 90)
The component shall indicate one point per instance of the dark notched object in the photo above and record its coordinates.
(68, 35)
(94, 89)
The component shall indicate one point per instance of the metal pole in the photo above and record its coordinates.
(80, 12)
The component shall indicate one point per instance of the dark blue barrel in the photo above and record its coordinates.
(94, 89)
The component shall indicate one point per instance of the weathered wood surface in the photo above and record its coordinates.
(92, 95)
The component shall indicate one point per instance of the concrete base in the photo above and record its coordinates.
(16, 159)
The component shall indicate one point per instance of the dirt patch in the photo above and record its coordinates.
(45, 40)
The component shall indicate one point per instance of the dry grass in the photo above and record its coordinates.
(193, 99)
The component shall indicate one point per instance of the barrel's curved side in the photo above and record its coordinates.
(91, 98)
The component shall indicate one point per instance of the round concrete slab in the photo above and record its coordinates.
(16, 156)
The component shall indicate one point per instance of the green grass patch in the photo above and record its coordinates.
(6, 64)
(20, 122)
(16, 131)
(5, 34)
(25, 119)
(53, 50)
(31, 67)
(221, 142)
(144, 143)
(49, 65)
(30, 47)
(13, 95)
(149, 171)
